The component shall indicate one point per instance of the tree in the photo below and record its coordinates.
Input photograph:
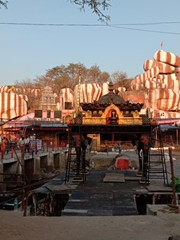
(62, 77)
(94, 74)
(120, 80)
(27, 88)
(96, 6)
(67, 77)
(74, 72)
(117, 76)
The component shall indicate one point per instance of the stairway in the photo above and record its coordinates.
(76, 162)
(157, 168)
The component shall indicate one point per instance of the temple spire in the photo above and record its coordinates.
(110, 87)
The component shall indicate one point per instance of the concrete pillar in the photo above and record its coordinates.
(63, 158)
(50, 160)
(1, 176)
(56, 161)
(37, 167)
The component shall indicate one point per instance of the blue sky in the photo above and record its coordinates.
(27, 52)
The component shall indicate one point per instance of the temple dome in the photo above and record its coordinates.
(111, 97)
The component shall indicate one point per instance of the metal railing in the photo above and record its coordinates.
(14, 150)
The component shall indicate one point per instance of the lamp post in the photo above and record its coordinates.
(79, 92)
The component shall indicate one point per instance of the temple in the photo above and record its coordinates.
(110, 119)
(111, 109)
(107, 122)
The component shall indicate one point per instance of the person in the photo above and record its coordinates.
(141, 145)
(145, 141)
(21, 144)
(138, 146)
(26, 141)
(7, 145)
(3, 145)
(106, 148)
(80, 148)
(119, 148)
(84, 147)
(0, 141)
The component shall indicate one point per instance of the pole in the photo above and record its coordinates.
(177, 136)
(112, 138)
(172, 176)
(23, 173)
(79, 85)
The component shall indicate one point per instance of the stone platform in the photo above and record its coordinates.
(105, 193)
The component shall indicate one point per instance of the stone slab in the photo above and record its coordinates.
(73, 212)
(114, 177)
(131, 178)
(158, 188)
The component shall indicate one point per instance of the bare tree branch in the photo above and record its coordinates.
(3, 3)
(97, 7)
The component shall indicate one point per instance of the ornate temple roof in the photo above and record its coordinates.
(111, 97)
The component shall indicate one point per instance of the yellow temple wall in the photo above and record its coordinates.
(121, 121)
(135, 119)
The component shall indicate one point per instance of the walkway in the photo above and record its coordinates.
(104, 195)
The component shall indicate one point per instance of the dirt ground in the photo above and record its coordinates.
(14, 226)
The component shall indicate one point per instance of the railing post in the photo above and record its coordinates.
(36, 147)
(12, 152)
(2, 154)
(174, 200)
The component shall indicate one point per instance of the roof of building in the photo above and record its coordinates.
(111, 97)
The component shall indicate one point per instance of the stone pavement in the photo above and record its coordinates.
(98, 198)
(116, 197)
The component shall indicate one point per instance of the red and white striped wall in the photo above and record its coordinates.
(12, 105)
(66, 95)
(88, 93)
(167, 57)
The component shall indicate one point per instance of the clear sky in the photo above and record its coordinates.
(28, 51)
